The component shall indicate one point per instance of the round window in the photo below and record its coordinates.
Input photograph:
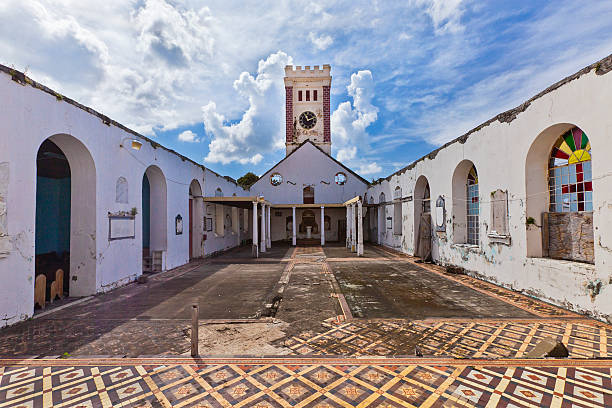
(340, 178)
(276, 179)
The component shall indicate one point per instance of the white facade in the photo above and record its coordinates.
(309, 166)
(511, 153)
(94, 148)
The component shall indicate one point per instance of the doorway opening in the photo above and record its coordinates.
(65, 221)
(154, 220)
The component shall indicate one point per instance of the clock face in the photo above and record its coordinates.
(308, 120)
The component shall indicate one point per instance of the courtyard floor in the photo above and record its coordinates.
(306, 326)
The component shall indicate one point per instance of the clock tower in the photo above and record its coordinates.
(307, 109)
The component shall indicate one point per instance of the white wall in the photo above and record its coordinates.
(308, 166)
(28, 116)
(499, 151)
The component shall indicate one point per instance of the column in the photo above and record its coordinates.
(255, 238)
(348, 226)
(293, 228)
(322, 225)
(353, 230)
(268, 230)
(381, 223)
(262, 244)
(359, 229)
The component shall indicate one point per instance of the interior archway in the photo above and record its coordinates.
(154, 218)
(422, 206)
(196, 214)
(382, 228)
(65, 234)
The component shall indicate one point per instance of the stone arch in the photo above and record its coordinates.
(422, 205)
(80, 226)
(155, 217)
(540, 192)
(460, 206)
(196, 219)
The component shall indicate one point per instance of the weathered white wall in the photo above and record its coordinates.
(28, 116)
(499, 151)
(308, 166)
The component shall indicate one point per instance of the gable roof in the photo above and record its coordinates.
(307, 141)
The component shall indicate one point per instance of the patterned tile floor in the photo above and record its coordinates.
(456, 338)
(323, 383)
(468, 362)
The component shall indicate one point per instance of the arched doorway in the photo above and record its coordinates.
(560, 223)
(154, 219)
(196, 210)
(382, 228)
(422, 218)
(65, 235)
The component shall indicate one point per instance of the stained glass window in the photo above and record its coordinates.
(340, 178)
(472, 207)
(569, 173)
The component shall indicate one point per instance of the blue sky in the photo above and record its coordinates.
(205, 77)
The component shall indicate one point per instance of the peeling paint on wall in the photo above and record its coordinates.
(5, 245)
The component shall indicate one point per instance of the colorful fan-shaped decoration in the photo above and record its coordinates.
(573, 146)
(472, 176)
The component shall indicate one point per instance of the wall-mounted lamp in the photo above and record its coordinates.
(135, 144)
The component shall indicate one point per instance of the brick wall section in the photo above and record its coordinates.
(569, 235)
(326, 118)
(289, 113)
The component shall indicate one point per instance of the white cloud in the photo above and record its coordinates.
(445, 14)
(321, 42)
(349, 122)
(261, 127)
(368, 169)
(188, 136)
(178, 37)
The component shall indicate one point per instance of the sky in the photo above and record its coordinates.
(205, 78)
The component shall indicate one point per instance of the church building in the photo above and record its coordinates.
(523, 200)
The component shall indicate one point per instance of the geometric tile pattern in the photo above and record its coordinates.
(457, 338)
(306, 383)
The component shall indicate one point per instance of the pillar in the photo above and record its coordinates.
(348, 226)
(268, 230)
(359, 229)
(353, 230)
(293, 228)
(255, 237)
(322, 225)
(262, 244)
